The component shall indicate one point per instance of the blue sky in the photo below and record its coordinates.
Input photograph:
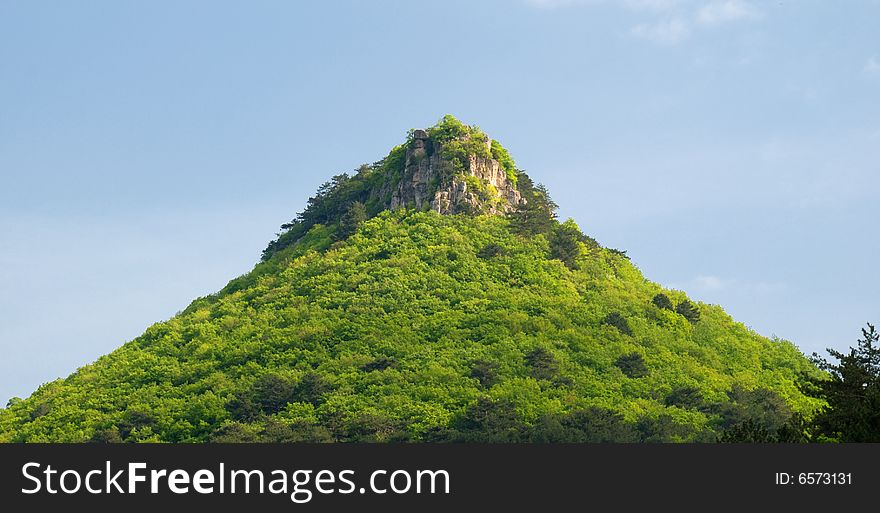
(149, 150)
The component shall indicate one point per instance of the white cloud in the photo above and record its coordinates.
(872, 67)
(651, 5)
(709, 284)
(665, 32)
(552, 4)
(668, 22)
(804, 93)
(726, 11)
(634, 5)
(712, 12)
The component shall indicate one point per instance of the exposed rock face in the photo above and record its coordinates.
(430, 181)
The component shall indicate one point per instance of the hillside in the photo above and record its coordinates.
(431, 296)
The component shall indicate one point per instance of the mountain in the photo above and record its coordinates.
(431, 296)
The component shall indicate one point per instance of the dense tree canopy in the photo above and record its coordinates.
(425, 327)
(363, 324)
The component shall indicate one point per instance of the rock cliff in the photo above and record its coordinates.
(432, 180)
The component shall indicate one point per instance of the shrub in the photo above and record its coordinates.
(500, 154)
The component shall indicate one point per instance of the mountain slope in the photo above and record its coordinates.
(422, 325)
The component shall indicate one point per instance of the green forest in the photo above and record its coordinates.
(365, 324)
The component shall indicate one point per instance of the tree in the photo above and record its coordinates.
(13, 401)
(590, 425)
(490, 250)
(537, 213)
(541, 196)
(327, 206)
(663, 302)
(271, 393)
(542, 363)
(448, 129)
(108, 435)
(311, 389)
(370, 427)
(686, 397)
(565, 243)
(484, 372)
(531, 219)
(297, 432)
(40, 410)
(381, 363)
(351, 220)
(242, 407)
(489, 421)
(394, 291)
(758, 415)
(664, 428)
(235, 433)
(632, 365)
(618, 321)
(748, 431)
(689, 311)
(852, 391)
(794, 431)
(134, 420)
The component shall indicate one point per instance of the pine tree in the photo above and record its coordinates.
(351, 220)
(565, 243)
(662, 301)
(689, 311)
(852, 392)
(538, 213)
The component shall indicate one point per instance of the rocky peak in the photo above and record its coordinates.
(450, 168)
(448, 178)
